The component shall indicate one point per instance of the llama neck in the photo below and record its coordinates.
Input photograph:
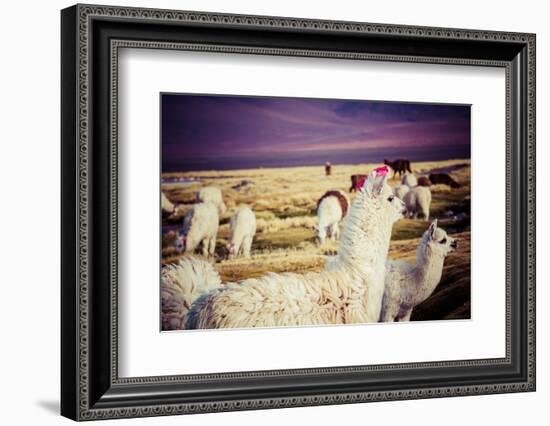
(427, 272)
(362, 256)
(365, 239)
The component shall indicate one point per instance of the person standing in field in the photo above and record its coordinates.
(328, 168)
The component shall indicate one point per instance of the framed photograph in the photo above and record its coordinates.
(263, 212)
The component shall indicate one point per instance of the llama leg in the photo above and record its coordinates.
(321, 233)
(326, 234)
(212, 249)
(189, 249)
(204, 244)
(405, 315)
(389, 313)
(247, 243)
(239, 248)
(331, 231)
(389, 310)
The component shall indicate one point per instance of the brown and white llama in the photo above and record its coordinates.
(332, 208)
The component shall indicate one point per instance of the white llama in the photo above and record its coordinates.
(418, 201)
(351, 292)
(212, 194)
(181, 284)
(410, 180)
(400, 190)
(242, 229)
(408, 285)
(166, 205)
(200, 225)
(332, 208)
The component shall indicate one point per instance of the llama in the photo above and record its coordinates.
(424, 181)
(443, 178)
(242, 229)
(400, 191)
(409, 285)
(332, 208)
(410, 180)
(418, 201)
(200, 225)
(166, 205)
(181, 284)
(351, 292)
(213, 195)
(399, 166)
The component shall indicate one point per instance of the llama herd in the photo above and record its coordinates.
(358, 285)
(201, 223)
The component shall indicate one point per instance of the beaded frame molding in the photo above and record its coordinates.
(91, 39)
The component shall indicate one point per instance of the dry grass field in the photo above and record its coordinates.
(284, 201)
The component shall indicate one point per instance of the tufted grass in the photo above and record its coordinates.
(284, 201)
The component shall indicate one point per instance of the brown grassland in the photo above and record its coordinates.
(284, 201)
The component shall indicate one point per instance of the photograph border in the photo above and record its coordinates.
(117, 44)
(91, 38)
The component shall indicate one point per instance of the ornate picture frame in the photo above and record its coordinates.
(91, 37)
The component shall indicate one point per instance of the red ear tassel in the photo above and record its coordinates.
(380, 171)
(360, 183)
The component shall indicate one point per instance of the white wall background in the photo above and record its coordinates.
(29, 214)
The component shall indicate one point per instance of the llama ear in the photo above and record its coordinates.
(379, 183)
(432, 228)
(370, 182)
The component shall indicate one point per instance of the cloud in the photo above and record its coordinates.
(202, 125)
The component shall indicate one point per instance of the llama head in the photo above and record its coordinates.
(378, 196)
(438, 241)
(231, 250)
(180, 242)
(367, 229)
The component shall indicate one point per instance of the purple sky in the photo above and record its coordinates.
(199, 130)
